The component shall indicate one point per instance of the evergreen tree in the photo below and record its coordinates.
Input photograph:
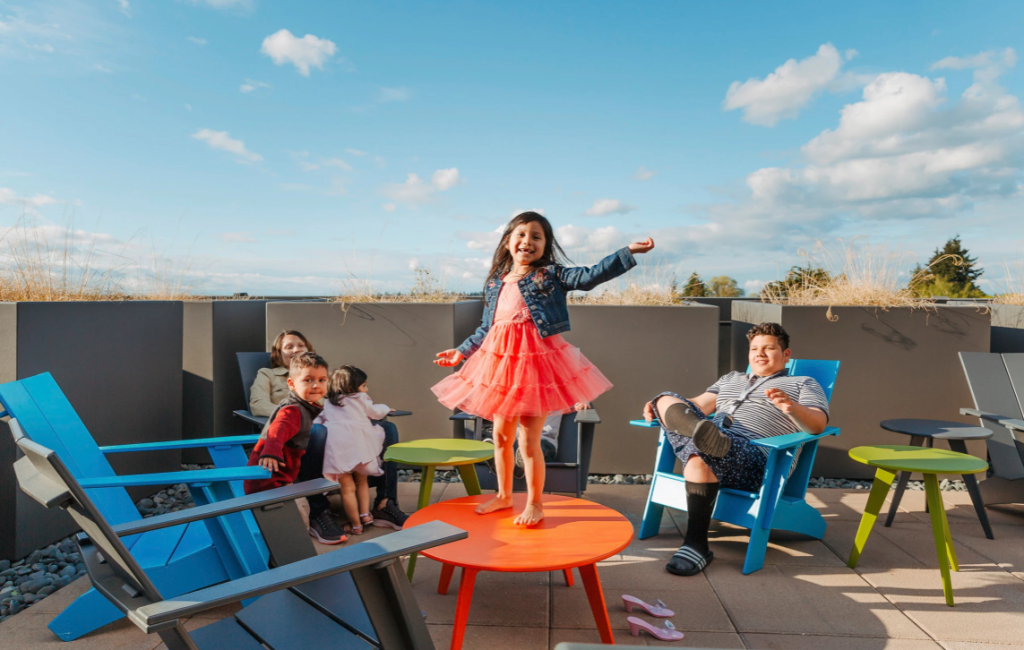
(725, 287)
(798, 277)
(695, 287)
(951, 272)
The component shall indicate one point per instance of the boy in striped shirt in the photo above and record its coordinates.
(716, 451)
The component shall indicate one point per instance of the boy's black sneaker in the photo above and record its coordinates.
(388, 515)
(707, 437)
(324, 529)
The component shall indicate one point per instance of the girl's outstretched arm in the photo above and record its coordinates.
(585, 278)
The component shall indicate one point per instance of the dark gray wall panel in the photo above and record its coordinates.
(1007, 328)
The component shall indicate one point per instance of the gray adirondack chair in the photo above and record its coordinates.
(997, 385)
(347, 598)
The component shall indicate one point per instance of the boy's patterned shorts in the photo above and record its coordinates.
(740, 469)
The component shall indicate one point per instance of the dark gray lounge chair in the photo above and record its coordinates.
(348, 598)
(997, 385)
(249, 365)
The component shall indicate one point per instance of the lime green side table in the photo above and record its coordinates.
(890, 459)
(446, 452)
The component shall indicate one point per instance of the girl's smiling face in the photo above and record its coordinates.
(526, 243)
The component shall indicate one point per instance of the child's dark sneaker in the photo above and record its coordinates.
(707, 437)
(688, 561)
(387, 515)
(324, 529)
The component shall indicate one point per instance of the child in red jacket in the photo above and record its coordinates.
(284, 439)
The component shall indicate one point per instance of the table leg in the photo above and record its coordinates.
(879, 489)
(466, 584)
(568, 577)
(426, 483)
(931, 488)
(930, 445)
(901, 486)
(592, 583)
(446, 578)
(972, 489)
(469, 479)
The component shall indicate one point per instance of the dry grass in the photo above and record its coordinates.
(46, 263)
(430, 287)
(858, 274)
(650, 283)
(1014, 293)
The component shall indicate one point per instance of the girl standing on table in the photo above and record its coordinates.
(519, 369)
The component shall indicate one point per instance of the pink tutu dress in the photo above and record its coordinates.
(517, 373)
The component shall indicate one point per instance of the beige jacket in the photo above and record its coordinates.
(270, 387)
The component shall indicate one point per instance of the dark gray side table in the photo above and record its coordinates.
(956, 434)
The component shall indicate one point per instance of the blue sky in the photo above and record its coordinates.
(289, 148)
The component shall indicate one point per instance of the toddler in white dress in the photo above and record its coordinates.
(354, 442)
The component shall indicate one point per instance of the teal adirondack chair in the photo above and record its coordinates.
(178, 559)
(779, 505)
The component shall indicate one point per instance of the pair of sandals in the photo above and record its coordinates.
(656, 609)
(365, 519)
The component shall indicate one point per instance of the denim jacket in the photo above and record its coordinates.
(545, 291)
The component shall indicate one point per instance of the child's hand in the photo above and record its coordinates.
(271, 464)
(780, 399)
(640, 247)
(582, 406)
(449, 358)
(649, 411)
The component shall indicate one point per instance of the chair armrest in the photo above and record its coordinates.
(181, 444)
(221, 508)
(644, 423)
(588, 416)
(397, 414)
(258, 420)
(462, 416)
(791, 440)
(156, 616)
(170, 478)
(1008, 422)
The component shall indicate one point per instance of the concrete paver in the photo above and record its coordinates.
(804, 598)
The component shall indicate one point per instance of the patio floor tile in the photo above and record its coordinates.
(492, 637)
(807, 600)
(810, 642)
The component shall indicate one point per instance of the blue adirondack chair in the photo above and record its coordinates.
(779, 505)
(179, 559)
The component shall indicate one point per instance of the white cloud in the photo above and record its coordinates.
(276, 232)
(296, 187)
(753, 287)
(196, 40)
(124, 7)
(102, 68)
(337, 162)
(1007, 58)
(602, 207)
(307, 166)
(389, 207)
(188, 107)
(787, 90)
(388, 95)
(251, 85)
(309, 51)
(579, 239)
(644, 174)
(517, 212)
(9, 196)
(414, 263)
(355, 152)
(413, 190)
(445, 179)
(224, 142)
(236, 237)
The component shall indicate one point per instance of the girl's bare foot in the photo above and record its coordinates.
(497, 503)
(532, 515)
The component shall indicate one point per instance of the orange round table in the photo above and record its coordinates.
(574, 533)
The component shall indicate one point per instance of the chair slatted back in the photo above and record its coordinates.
(43, 476)
(249, 365)
(988, 376)
(47, 418)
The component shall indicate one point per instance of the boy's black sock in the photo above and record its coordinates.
(700, 502)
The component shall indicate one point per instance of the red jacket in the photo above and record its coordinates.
(273, 444)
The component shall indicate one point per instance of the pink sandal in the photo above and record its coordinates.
(657, 609)
(667, 633)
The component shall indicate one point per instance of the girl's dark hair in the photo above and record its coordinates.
(275, 350)
(553, 253)
(345, 381)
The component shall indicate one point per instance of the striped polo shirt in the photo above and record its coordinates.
(757, 417)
